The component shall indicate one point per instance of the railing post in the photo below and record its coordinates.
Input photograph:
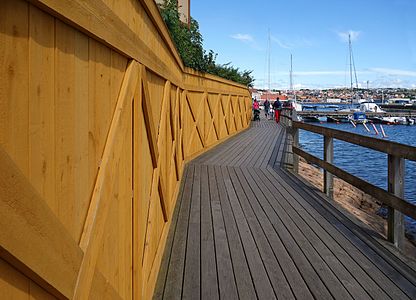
(329, 158)
(395, 222)
(295, 142)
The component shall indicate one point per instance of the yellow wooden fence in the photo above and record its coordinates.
(97, 117)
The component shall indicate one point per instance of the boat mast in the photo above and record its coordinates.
(291, 77)
(350, 50)
(352, 65)
(268, 94)
(290, 74)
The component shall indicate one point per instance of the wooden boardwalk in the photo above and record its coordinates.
(244, 228)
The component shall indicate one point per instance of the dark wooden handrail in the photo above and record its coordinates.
(393, 148)
(385, 197)
(397, 153)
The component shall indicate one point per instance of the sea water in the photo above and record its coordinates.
(367, 164)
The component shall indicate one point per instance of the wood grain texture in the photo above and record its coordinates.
(14, 81)
(27, 220)
(63, 64)
(94, 225)
(42, 104)
(264, 234)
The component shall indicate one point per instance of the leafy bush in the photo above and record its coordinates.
(189, 41)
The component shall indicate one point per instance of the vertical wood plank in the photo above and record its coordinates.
(395, 221)
(42, 103)
(64, 206)
(100, 103)
(295, 143)
(71, 128)
(81, 131)
(328, 157)
(14, 76)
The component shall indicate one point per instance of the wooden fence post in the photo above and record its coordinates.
(329, 158)
(295, 142)
(395, 222)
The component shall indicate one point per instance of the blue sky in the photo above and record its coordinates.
(316, 33)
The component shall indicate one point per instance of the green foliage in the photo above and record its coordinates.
(189, 41)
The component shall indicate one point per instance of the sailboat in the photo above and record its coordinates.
(293, 103)
(354, 98)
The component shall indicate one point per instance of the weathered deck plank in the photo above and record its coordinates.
(209, 283)
(248, 229)
(243, 278)
(191, 279)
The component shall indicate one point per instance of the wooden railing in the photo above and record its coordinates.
(397, 154)
(98, 116)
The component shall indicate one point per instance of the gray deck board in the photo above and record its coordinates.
(387, 275)
(225, 270)
(244, 228)
(191, 280)
(270, 261)
(242, 274)
(317, 230)
(209, 283)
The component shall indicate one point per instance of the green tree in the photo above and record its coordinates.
(189, 43)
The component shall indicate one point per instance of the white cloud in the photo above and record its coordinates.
(247, 39)
(378, 78)
(344, 35)
(282, 44)
(319, 73)
(297, 42)
(393, 72)
(243, 37)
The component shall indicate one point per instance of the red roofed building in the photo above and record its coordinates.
(272, 97)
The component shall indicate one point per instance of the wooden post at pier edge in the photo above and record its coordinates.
(395, 222)
(329, 158)
(295, 142)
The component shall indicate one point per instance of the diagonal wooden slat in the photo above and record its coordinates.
(176, 126)
(148, 116)
(172, 119)
(97, 213)
(224, 116)
(174, 159)
(196, 124)
(232, 112)
(212, 123)
(247, 111)
(26, 219)
(240, 101)
(216, 114)
(161, 144)
(200, 119)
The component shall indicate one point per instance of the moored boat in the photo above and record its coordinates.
(358, 117)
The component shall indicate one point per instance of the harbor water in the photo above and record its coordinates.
(367, 164)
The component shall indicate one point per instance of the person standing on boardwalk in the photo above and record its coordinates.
(277, 106)
(266, 107)
(256, 110)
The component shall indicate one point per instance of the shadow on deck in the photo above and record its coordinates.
(246, 228)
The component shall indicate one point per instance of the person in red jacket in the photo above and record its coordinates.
(256, 110)
(277, 106)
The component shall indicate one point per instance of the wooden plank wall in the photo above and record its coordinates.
(97, 118)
